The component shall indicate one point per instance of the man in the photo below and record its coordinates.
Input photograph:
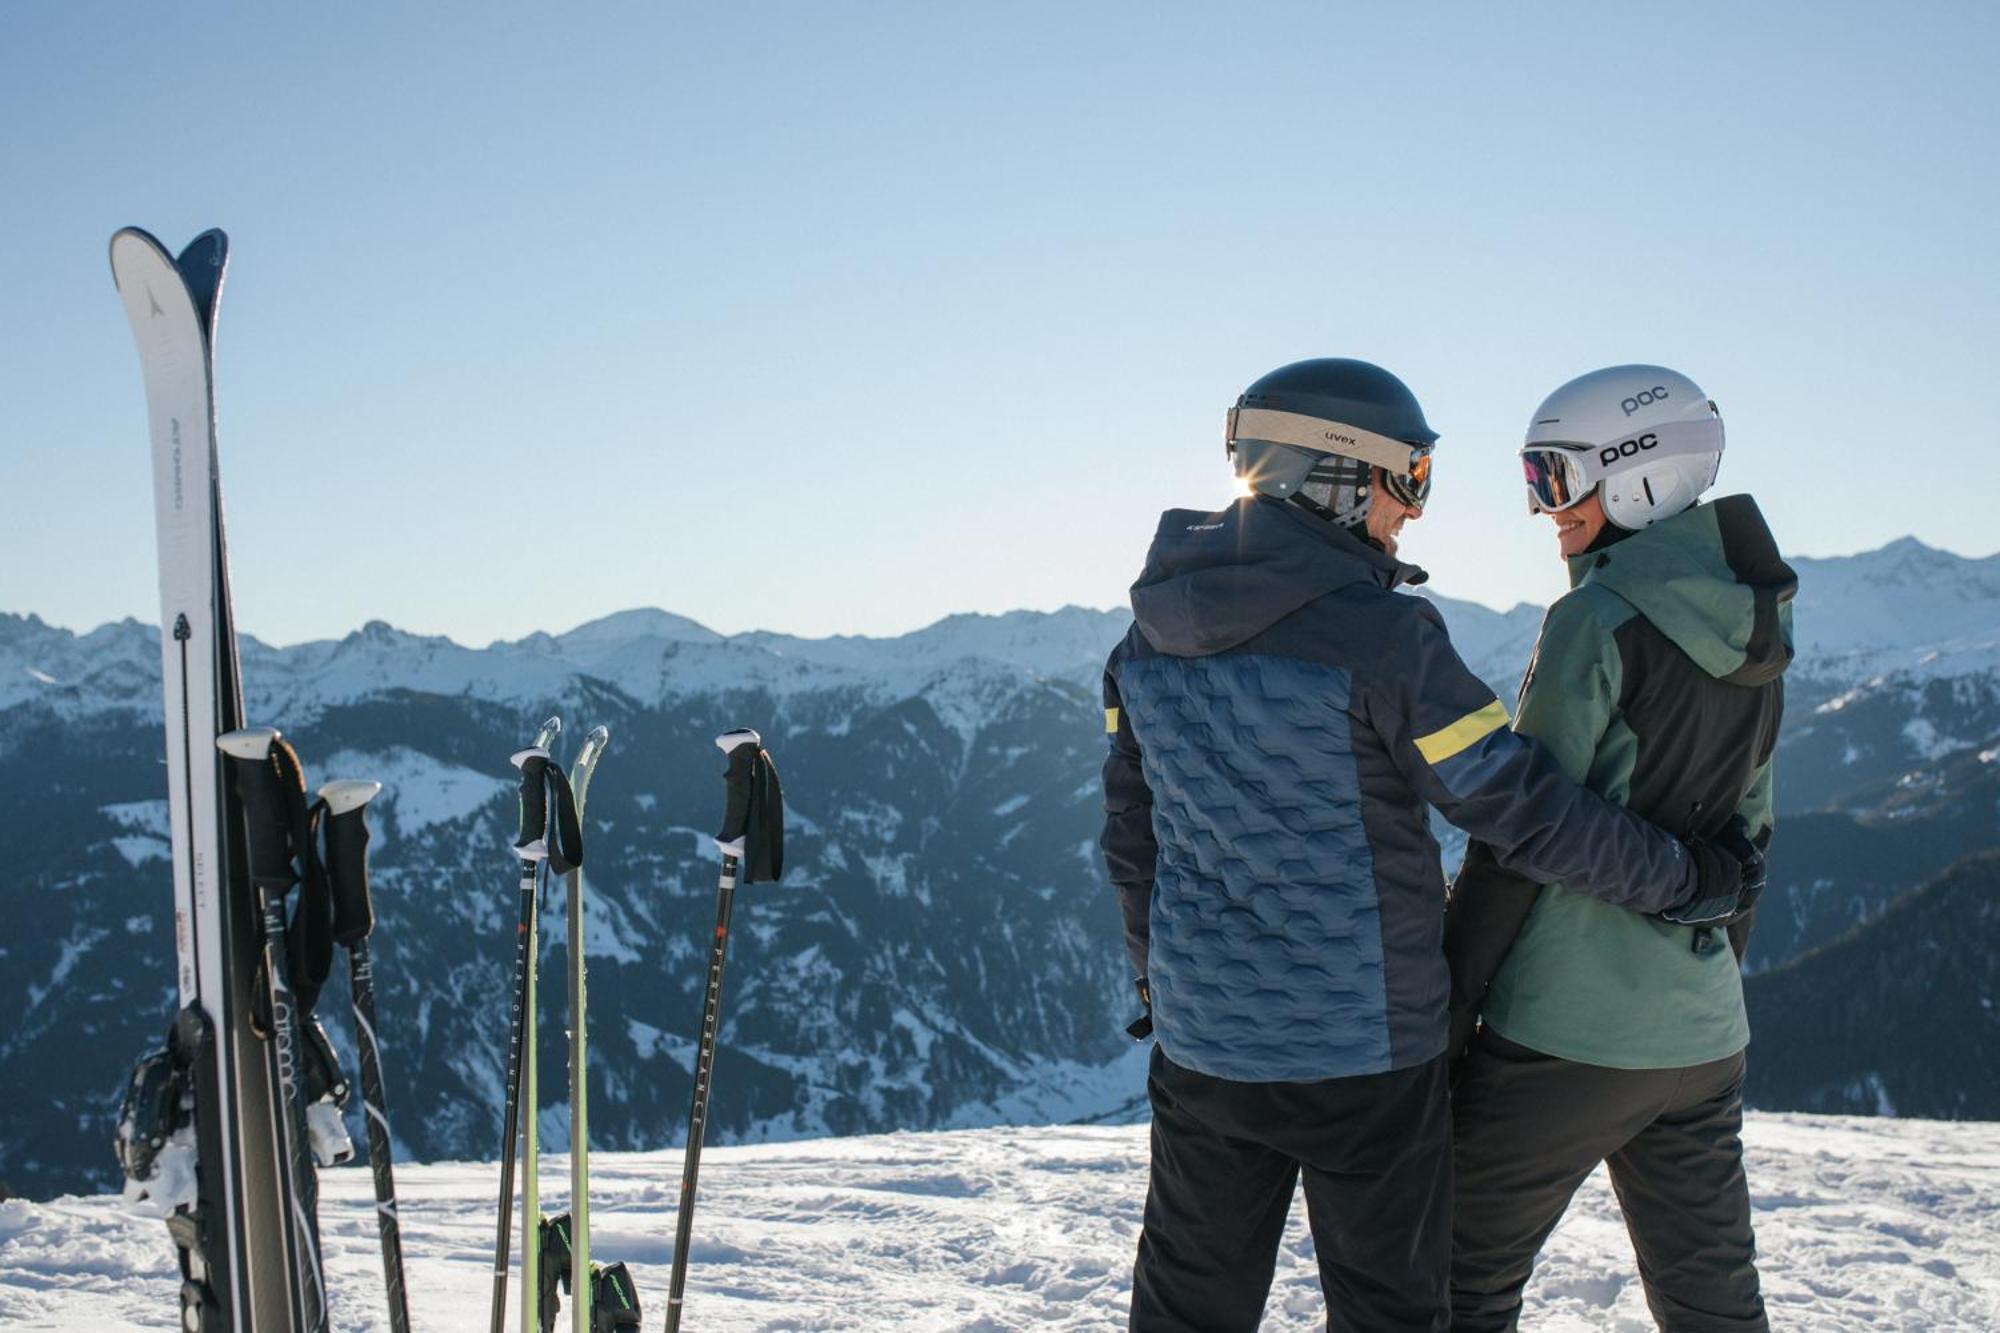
(1278, 718)
(1610, 1035)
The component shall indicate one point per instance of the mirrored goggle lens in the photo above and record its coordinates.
(1554, 482)
(1412, 487)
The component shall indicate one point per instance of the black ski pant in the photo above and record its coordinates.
(1375, 1152)
(1530, 1128)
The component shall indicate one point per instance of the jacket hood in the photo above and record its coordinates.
(1215, 580)
(1710, 578)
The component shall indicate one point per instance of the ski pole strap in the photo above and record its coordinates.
(566, 853)
(753, 822)
(345, 824)
(309, 937)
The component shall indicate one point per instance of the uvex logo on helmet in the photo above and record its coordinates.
(1644, 398)
(1611, 453)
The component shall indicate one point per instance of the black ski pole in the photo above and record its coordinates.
(752, 840)
(532, 849)
(353, 921)
(271, 788)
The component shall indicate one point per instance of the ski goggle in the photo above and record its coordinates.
(1413, 487)
(1563, 473)
(1556, 478)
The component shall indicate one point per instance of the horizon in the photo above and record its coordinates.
(1429, 589)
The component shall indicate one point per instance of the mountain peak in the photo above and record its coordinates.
(641, 623)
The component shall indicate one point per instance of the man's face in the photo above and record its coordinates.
(1387, 514)
(1577, 526)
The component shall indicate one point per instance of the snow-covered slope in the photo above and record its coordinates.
(1861, 1225)
(1905, 607)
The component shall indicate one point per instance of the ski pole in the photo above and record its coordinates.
(564, 844)
(353, 921)
(271, 789)
(532, 848)
(581, 770)
(752, 839)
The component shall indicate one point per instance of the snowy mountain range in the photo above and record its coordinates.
(943, 951)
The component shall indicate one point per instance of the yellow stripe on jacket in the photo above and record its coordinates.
(1442, 744)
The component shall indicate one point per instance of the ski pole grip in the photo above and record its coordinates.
(741, 745)
(753, 825)
(533, 842)
(251, 753)
(347, 857)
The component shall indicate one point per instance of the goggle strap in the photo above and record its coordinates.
(1321, 436)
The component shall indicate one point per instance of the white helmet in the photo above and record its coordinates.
(1648, 436)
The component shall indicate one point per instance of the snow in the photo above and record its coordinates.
(418, 790)
(1861, 1224)
(137, 849)
(147, 817)
(1925, 740)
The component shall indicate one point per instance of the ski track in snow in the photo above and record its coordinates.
(1862, 1224)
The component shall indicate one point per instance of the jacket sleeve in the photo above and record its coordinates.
(1450, 737)
(1127, 842)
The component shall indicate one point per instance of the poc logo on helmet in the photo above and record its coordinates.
(1626, 448)
(1644, 398)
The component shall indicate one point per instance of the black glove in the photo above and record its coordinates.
(1736, 840)
(1141, 1027)
(1718, 886)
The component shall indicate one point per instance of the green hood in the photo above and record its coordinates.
(1710, 578)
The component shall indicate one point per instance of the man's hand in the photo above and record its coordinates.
(1737, 842)
(1729, 877)
(1141, 1027)
(1718, 886)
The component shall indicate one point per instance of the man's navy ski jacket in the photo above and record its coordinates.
(1279, 716)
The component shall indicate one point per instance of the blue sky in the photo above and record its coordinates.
(837, 319)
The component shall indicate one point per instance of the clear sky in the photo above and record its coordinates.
(839, 318)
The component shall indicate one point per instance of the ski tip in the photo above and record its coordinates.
(249, 743)
(212, 246)
(134, 236)
(548, 733)
(739, 736)
(348, 794)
